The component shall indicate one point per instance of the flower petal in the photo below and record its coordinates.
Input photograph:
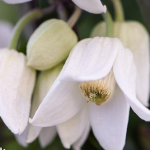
(16, 1)
(91, 59)
(78, 144)
(21, 139)
(17, 83)
(5, 36)
(135, 37)
(61, 103)
(94, 6)
(109, 121)
(71, 130)
(125, 75)
(137, 40)
(44, 83)
(33, 133)
(46, 136)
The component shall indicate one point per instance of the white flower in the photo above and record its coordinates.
(70, 132)
(5, 33)
(92, 6)
(16, 87)
(111, 69)
(136, 38)
(16, 1)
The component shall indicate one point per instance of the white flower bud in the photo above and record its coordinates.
(50, 44)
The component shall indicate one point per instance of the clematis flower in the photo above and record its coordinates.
(17, 83)
(94, 6)
(99, 74)
(5, 30)
(135, 37)
(70, 131)
(16, 1)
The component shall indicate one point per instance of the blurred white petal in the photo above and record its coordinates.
(125, 75)
(21, 139)
(92, 6)
(16, 1)
(136, 38)
(79, 143)
(44, 83)
(71, 130)
(46, 136)
(17, 83)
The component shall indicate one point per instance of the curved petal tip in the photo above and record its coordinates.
(94, 6)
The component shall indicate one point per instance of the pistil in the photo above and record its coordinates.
(99, 91)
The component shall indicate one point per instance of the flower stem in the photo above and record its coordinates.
(34, 14)
(37, 13)
(109, 24)
(73, 19)
(119, 14)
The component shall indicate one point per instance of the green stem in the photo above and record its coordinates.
(109, 24)
(37, 13)
(119, 14)
(73, 19)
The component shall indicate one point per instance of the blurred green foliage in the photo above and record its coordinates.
(138, 135)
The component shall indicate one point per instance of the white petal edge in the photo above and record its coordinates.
(44, 83)
(136, 38)
(21, 139)
(47, 136)
(63, 101)
(91, 59)
(109, 121)
(17, 83)
(71, 130)
(79, 143)
(92, 6)
(6, 33)
(32, 133)
(15, 1)
(125, 75)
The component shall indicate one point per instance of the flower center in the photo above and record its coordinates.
(99, 91)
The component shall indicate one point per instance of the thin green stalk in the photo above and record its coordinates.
(34, 14)
(119, 14)
(37, 13)
(73, 19)
(109, 24)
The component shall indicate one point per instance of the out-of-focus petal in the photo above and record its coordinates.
(136, 38)
(91, 59)
(78, 144)
(71, 130)
(46, 136)
(32, 133)
(5, 33)
(21, 139)
(17, 83)
(92, 6)
(109, 121)
(45, 81)
(125, 75)
(16, 1)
